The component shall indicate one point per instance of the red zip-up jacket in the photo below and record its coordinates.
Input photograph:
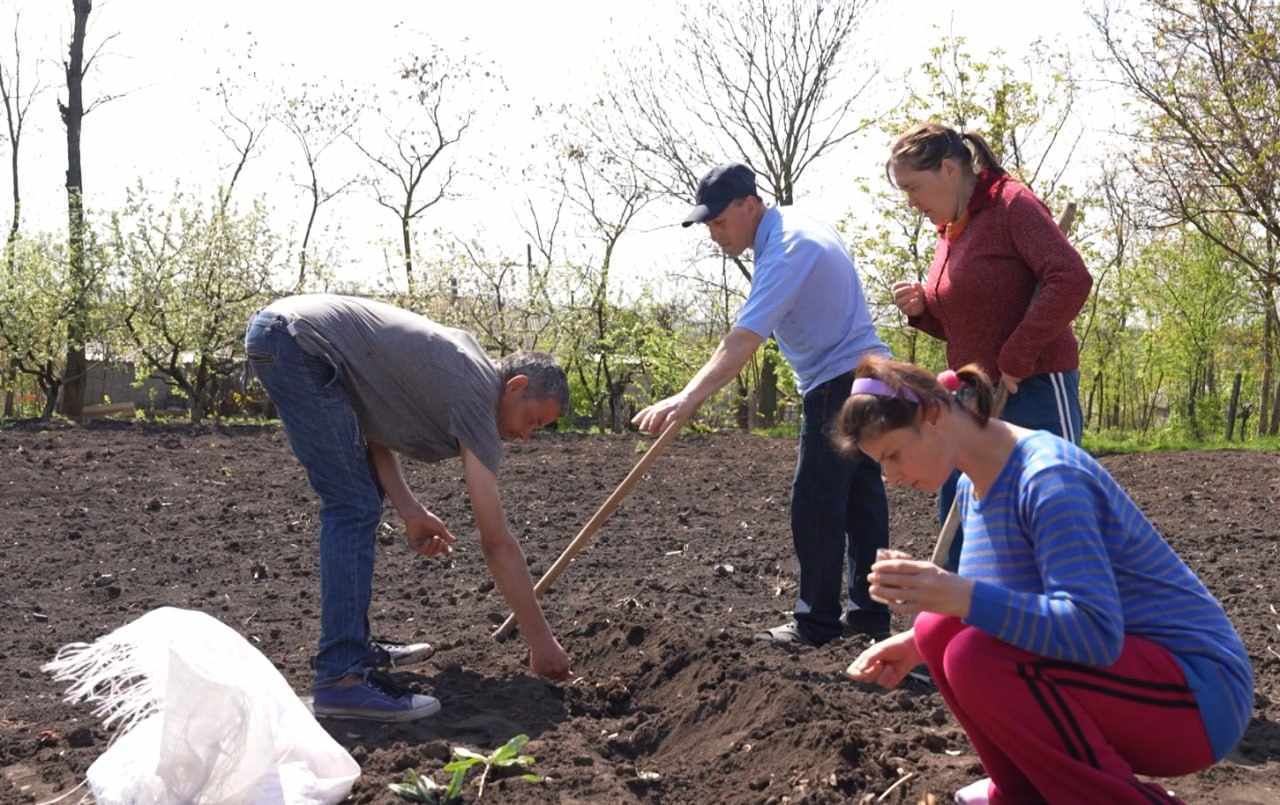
(1003, 291)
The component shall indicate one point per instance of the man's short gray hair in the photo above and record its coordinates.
(546, 379)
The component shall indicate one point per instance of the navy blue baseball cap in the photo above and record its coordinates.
(722, 185)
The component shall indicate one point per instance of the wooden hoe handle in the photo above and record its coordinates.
(588, 531)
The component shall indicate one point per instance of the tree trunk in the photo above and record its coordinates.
(10, 387)
(741, 409)
(10, 257)
(72, 117)
(9, 253)
(306, 235)
(50, 402)
(1275, 412)
(1193, 387)
(1231, 407)
(407, 245)
(609, 399)
(1088, 408)
(768, 387)
(50, 384)
(199, 393)
(1149, 412)
(1268, 356)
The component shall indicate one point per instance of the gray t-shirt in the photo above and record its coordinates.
(418, 387)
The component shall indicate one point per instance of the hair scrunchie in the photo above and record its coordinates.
(949, 380)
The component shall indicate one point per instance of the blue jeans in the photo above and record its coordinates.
(838, 507)
(1049, 401)
(325, 436)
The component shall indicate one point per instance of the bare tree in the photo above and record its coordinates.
(414, 138)
(609, 194)
(72, 117)
(17, 103)
(1208, 74)
(83, 274)
(243, 130)
(1027, 111)
(17, 100)
(316, 123)
(505, 302)
(768, 85)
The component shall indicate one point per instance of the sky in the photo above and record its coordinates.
(160, 126)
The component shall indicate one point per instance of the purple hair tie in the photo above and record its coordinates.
(878, 388)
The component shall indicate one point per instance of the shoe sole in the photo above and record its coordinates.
(394, 716)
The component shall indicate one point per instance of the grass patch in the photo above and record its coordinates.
(1113, 443)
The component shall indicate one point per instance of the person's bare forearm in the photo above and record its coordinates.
(502, 553)
(732, 353)
(387, 465)
(510, 573)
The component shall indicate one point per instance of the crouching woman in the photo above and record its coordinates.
(1074, 646)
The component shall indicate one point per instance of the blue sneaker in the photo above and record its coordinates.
(377, 697)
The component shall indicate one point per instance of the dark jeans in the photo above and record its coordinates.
(838, 507)
(325, 436)
(1049, 401)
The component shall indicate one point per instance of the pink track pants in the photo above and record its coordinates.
(1058, 732)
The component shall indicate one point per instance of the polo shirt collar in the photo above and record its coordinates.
(772, 220)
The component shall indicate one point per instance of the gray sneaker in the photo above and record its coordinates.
(786, 634)
(392, 654)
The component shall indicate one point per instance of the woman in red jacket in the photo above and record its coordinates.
(1005, 283)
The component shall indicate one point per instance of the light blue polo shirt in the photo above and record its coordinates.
(805, 291)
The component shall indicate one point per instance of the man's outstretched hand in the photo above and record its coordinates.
(549, 660)
(658, 416)
(427, 534)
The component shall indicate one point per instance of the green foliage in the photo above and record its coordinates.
(1204, 141)
(1168, 329)
(785, 430)
(647, 352)
(1182, 235)
(506, 757)
(1190, 297)
(1165, 439)
(187, 277)
(38, 294)
(418, 788)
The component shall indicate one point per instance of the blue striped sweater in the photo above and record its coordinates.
(1066, 565)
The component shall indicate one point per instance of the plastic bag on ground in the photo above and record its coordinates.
(204, 718)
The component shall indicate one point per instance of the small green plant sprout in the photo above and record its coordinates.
(504, 757)
(419, 788)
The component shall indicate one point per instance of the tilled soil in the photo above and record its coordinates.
(671, 701)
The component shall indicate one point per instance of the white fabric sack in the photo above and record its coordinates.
(204, 718)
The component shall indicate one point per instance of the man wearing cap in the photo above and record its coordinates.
(806, 293)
